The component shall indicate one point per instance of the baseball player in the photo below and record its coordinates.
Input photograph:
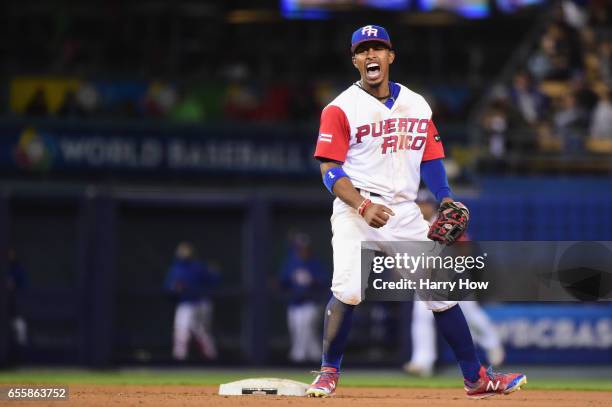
(302, 279)
(190, 282)
(423, 330)
(376, 141)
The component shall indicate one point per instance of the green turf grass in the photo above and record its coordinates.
(211, 377)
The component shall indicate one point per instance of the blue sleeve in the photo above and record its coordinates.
(434, 176)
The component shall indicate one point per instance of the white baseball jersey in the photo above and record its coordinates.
(381, 145)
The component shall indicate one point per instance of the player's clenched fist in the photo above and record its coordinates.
(374, 214)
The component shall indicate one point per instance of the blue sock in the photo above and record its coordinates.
(336, 328)
(454, 329)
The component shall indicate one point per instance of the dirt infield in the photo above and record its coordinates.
(169, 396)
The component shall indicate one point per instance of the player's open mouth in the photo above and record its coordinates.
(372, 71)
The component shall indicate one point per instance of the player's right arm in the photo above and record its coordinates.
(332, 148)
(375, 215)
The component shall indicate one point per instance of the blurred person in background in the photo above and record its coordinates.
(600, 132)
(526, 98)
(495, 124)
(504, 125)
(540, 63)
(562, 50)
(601, 120)
(424, 347)
(16, 283)
(586, 97)
(570, 122)
(303, 280)
(190, 283)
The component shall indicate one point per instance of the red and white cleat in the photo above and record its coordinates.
(490, 384)
(324, 385)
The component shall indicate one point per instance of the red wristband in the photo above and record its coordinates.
(364, 205)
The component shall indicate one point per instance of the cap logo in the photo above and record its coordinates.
(369, 31)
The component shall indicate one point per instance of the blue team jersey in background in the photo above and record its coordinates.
(303, 279)
(190, 280)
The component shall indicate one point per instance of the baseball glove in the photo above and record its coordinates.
(451, 223)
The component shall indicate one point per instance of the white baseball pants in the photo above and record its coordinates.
(350, 230)
(305, 341)
(193, 318)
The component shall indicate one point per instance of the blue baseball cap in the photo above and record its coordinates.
(370, 33)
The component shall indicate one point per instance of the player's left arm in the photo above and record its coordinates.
(433, 172)
(453, 216)
(433, 175)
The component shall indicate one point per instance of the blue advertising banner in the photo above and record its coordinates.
(52, 148)
(552, 333)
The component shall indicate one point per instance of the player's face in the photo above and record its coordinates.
(372, 60)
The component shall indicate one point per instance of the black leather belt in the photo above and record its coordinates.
(371, 193)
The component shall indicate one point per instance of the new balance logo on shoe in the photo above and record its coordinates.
(493, 387)
(491, 383)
